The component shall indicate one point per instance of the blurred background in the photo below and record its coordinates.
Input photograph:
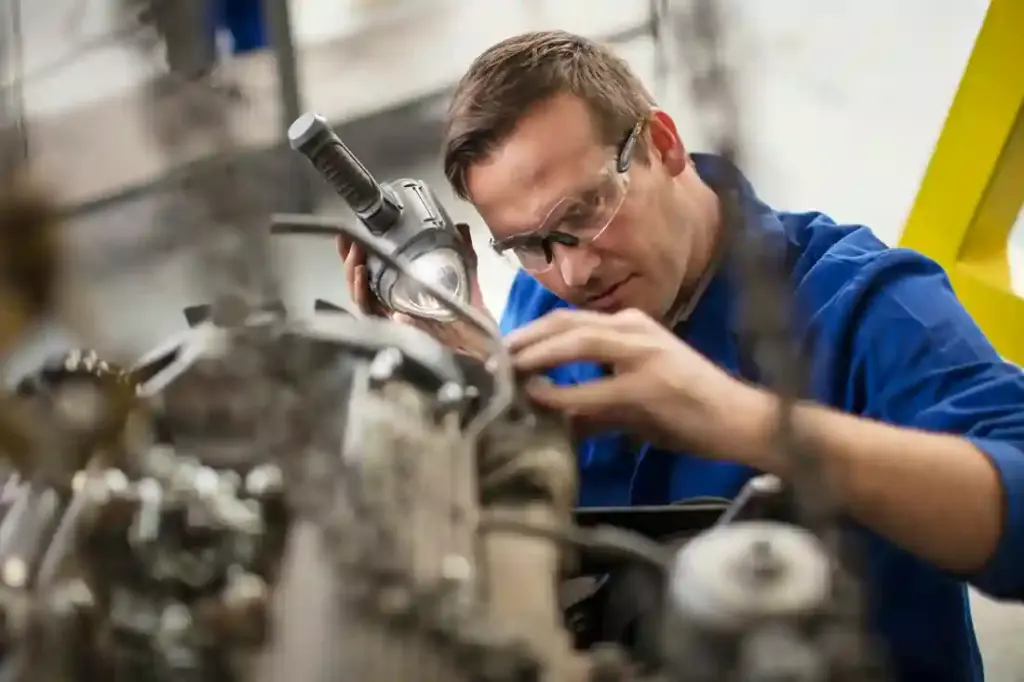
(842, 102)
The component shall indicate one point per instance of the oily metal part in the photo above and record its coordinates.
(415, 591)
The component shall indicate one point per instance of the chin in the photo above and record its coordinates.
(626, 299)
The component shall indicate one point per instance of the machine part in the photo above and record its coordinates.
(527, 475)
(393, 545)
(30, 259)
(734, 575)
(78, 408)
(745, 596)
(763, 497)
(14, 136)
(777, 652)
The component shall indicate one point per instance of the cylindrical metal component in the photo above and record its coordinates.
(385, 584)
(189, 33)
(522, 588)
(731, 576)
(26, 533)
(778, 653)
(528, 483)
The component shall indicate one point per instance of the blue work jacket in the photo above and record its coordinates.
(889, 341)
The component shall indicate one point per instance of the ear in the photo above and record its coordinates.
(668, 146)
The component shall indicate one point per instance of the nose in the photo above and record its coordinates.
(576, 264)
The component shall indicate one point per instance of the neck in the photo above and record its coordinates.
(706, 240)
(702, 257)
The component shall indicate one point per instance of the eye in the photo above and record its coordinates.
(575, 219)
(580, 215)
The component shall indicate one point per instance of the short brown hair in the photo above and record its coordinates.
(521, 72)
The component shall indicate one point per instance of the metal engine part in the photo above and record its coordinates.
(750, 571)
(435, 551)
(742, 594)
(409, 583)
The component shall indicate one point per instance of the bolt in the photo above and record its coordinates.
(14, 572)
(206, 482)
(263, 480)
(762, 562)
(767, 484)
(116, 481)
(384, 365)
(456, 568)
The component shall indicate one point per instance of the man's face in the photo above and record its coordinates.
(549, 176)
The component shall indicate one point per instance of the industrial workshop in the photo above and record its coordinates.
(511, 341)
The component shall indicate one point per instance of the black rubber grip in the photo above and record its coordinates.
(313, 138)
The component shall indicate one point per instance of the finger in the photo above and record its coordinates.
(357, 253)
(440, 331)
(579, 344)
(592, 401)
(555, 323)
(355, 257)
(343, 246)
(361, 290)
(350, 271)
(409, 320)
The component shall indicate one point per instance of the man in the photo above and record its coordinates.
(622, 302)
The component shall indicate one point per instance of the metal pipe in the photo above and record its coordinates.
(278, 20)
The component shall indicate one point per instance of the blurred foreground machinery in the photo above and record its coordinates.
(362, 528)
(340, 498)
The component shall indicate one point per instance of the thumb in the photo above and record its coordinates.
(428, 326)
(403, 318)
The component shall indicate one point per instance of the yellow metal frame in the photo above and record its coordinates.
(974, 186)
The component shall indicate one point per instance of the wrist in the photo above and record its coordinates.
(744, 426)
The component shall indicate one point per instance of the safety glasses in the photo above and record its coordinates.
(580, 219)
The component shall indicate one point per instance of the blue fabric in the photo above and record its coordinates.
(889, 341)
(243, 19)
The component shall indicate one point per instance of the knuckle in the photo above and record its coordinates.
(588, 341)
(560, 314)
(633, 316)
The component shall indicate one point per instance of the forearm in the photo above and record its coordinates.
(936, 495)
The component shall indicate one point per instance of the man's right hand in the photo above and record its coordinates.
(456, 335)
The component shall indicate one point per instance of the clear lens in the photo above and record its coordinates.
(586, 220)
(442, 268)
(529, 260)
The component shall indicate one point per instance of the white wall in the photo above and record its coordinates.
(842, 104)
(75, 35)
(843, 100)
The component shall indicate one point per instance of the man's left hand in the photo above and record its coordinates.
(659, 388)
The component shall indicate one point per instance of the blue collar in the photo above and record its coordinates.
(720, 294)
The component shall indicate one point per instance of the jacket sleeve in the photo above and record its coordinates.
(917, 359)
